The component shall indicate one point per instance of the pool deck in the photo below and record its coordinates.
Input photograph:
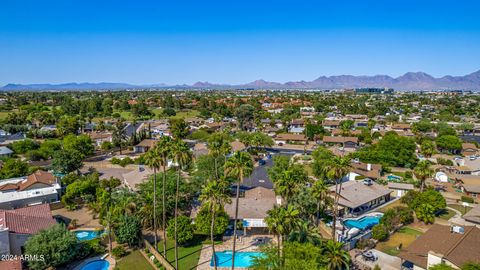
(106, 257)
(246, 243)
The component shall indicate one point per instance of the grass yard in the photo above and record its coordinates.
(134, 260)
(180, 114)
(188, 256)
(392, 205)
(405, 236)
(460, 208)
(3, 115)
(446, 214)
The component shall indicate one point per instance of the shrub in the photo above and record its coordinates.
(444, 161)
(467, 199)
(379, 232)
(184, 229)
(118, 252)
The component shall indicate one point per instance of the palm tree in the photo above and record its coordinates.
(320, 193)
(239, 165)
(336, 257)
(337, 168)
(214, 146)
(305, 233)
(215, 194)
(182, 156)
(163, 150)
(153, 160)
(423, 171)
(281, 220)
(119, 134)
(287, 185)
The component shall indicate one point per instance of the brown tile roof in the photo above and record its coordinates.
(237, 146)
(37, 177)
(291, 137)
(11, 264)
(401, 126)
(255, 204)
(27, 220)
(362, 169)
(338, 131)
(330, 123)
(473, 215)
(339, 139)
(99, 135)
(456, 248)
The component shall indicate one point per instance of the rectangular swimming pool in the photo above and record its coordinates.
(242, 259)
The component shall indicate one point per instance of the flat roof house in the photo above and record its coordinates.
(358, 197)
(451, 245)
(16, 226)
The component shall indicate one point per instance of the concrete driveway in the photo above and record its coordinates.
(385, 261)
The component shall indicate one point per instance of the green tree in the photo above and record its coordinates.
(321, 192)
(129, 231)
(13, 168)
(428, 148)
(185, 229)
(423, 171)
(449, 143)
(240, 165)
(379, 232)
(335, 256)
(282, 220)
(180, 152)
(244, 114)
(215, 194)
(22, 147)
(441, 266)
(57, 245)
(426, 213)
(153, 160)
(179, 128)
(81, 143)
(66, 161)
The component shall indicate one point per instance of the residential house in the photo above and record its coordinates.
(399, 189)
(253, 207)
(358, 197)
(473, 215)
(347, 142)
(200, 149)
(401, 127)
(144, 145)
(285, 138)
(5, 151)
(100, 137)
(469, 149)
(39, 187)
(237, 146)
(331, 124)
(11, 138)
(450, 245)
(17, 225)
(367, 170)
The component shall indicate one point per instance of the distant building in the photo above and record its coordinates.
(5, 151)
(374, 91)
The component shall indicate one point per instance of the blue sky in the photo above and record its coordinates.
(176, 41)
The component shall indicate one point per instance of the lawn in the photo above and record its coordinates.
(460, 208)
(392, 205)
(188, 256)
(446, 214)
(3, 115)
(404, 237)
(180, 114)
(134, 260)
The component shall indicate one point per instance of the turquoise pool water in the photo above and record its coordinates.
(242, 259)
(394, 178)
(362, 223)
(87, 235)
(96, 265)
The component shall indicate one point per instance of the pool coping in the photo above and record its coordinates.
(106, 257)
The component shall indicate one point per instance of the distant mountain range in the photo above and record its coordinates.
(408, 81)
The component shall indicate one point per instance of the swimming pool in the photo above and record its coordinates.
(363, 223)
(242, 259)
(392, 177)
(85, 235)
(96, 265)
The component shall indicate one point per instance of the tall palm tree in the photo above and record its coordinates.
(305, 233)
(287, 185)
(119, 134)
(218, 144)
(336, 257)
(320, 193)
(163, 150)
(215, 194)
(281, 220)
(423, 171)
(240, 165)
(182, 156)
(336, 169)
(153, 160)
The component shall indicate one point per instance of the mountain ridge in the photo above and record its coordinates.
(407, 81)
